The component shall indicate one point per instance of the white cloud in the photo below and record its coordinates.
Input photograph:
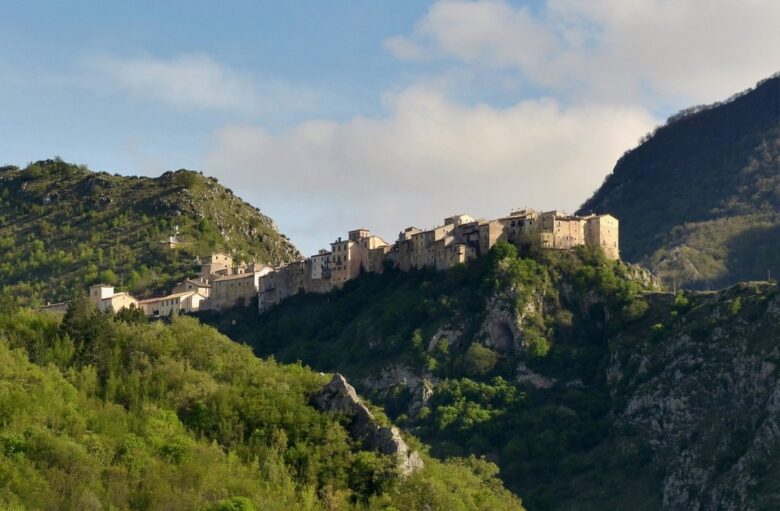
(404, 49)
(427, 158)
(197, 81)
(696, 50)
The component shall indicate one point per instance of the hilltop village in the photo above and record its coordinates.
(459, 239)
(223, 284)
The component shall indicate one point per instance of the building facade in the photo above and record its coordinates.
(237, 289)
(176, 303)
(104, 298)
(200, 285)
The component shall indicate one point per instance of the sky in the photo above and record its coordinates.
(380, 114)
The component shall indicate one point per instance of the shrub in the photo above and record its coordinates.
(479, 360)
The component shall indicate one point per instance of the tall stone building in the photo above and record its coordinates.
(351, 256)
(602, 231)
(215, 264)
(236, 289)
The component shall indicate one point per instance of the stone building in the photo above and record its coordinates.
(424, 245)
(320, 265)
(350, 256)
(490, 232)
(602, 231)
(55, 308)
(236, 289)
(520, 225)
(283, 282)
(215, 264)
(376, 258)
(105, 298)
(200, 285)
(561, 231)
(402, 253)
(164, 306)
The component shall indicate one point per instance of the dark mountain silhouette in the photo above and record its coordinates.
(699, 199)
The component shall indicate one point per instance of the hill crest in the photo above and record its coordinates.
(699, 198)
(63, 227)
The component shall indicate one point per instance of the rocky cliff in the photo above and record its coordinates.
(340, 397)
(702, 395)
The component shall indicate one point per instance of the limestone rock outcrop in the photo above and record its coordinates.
(340, 397)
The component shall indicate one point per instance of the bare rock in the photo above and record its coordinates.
(340, 397)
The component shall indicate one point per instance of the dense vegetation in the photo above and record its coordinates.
(64, 227)
(103, 411)
(433, 325)
(699, 199)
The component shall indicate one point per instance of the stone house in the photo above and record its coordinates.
(490, 232)
(561, 231)
(602, 231)
(236, 289)
(286, 281)
(350, 256)
(376, 258)
(105, 298)
(164, 306)
(344, 261)
(199, 284)
(520, 225)
(320, 265)
(216, 263)
(402, 254)
(55, 308)
(424, 245)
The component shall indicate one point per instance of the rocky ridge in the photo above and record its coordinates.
(340, 397)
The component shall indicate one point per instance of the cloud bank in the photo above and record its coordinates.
(427, 158)
(199, 82)
(696, 50)
(588, 73)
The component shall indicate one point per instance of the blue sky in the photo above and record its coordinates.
(327, 115)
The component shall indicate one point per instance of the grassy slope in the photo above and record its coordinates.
(699, 200)
(63, 227)
(98, 413)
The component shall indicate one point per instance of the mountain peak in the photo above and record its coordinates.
(67, 227)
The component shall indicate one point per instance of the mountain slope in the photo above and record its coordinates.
(453, 356)
(109, 412)
(63, 227)
(699, 199)
(589, 388)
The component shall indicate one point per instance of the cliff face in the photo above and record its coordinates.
(699, 199)
(339, 397)
(703, 396)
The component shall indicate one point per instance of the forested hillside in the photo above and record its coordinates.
(447, 354)
(699, 199)
(590, 388)
(109, 412)
(64, 227)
